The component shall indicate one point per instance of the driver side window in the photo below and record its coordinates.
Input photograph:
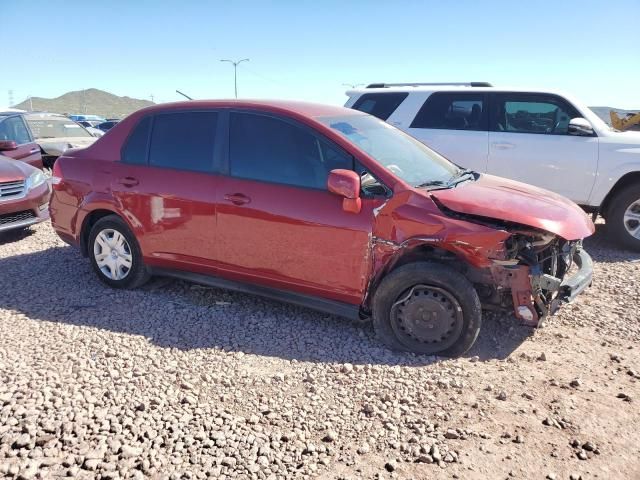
(269, 149)
(540, 114)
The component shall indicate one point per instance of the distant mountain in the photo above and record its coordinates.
(603, 112)
(91, 101)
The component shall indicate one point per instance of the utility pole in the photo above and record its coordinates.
(30, 104)
(10, 98)
(151, 96)
(235, 72)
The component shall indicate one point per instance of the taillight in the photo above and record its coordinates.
(56, 174)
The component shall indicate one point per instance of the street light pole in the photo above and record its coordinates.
(235, 72)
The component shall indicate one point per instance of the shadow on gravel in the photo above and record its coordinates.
(58, 285)
(603, 249)
(15, 235)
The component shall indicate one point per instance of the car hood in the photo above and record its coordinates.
(503, 199)
(57, 146)
(13, 170)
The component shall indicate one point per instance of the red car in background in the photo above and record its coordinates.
(24, 195)
(319, 206)
(16, 141)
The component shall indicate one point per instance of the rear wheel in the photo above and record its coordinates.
(623, 219)
(427, 308)
(115, 254)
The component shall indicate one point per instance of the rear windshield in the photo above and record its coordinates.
(56, 128)
(380, 105)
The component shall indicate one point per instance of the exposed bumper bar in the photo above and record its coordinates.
(530, 305)
(573, 286)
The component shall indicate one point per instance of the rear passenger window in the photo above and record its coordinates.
(183, 140)
(453, 111)
(380, 105)
(272, 150)
(135, 149)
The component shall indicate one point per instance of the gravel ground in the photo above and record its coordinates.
(181, 381)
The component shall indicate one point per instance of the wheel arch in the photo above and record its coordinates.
(624, 181)
(414, 251)
(88, 222)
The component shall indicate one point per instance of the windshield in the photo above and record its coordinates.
(406, 157)
(56, 128)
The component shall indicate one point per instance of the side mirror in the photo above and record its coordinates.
(6, 145)
(346, 183)
(580, 127)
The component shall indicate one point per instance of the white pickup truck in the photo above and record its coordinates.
(544, 138)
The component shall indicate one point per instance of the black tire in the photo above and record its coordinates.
(137, 274)
(436, 283)
(616, 228)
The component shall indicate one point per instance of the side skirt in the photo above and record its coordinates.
(332, 307)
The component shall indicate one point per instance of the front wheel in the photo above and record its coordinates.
(623, 220)
(115, 254)
(427, 308)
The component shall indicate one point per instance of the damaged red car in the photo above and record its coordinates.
(324, 207)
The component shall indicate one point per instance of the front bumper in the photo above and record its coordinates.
(548, 293)
(27, 210)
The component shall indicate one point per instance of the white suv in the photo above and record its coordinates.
(547, 139)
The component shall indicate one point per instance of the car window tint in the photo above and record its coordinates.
(453, 111)
(136, 147)
(272, 150)
(183, 140)
(537, 114)
(14, 129)
(380, 105)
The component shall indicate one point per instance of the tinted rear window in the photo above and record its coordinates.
(453, 111)
(183, 140)
(135, 149)
(380, 105)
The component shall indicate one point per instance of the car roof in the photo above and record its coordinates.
(10, 114)
(449, 88)
(306, 109)
(35, 115)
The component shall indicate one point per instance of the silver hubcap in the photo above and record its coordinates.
(112, 254)
(632, 219)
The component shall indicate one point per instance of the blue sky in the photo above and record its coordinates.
(307, 49)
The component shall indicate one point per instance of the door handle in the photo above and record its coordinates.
(502, 145)
(34, 150)
(237, 198)
(129, 182)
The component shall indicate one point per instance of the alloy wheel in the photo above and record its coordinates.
(112, 254)
(632, 219)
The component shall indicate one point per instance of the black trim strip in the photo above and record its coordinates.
(332, 307)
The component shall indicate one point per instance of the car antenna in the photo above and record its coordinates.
(184, 95)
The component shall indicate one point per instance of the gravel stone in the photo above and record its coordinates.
(180, 381)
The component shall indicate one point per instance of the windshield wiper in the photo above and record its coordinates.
(433, 183)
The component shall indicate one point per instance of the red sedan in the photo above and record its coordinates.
(320, 206)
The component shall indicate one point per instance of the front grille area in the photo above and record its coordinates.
(16, 217)
(9, 190)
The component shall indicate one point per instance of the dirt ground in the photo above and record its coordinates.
(181, 381)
